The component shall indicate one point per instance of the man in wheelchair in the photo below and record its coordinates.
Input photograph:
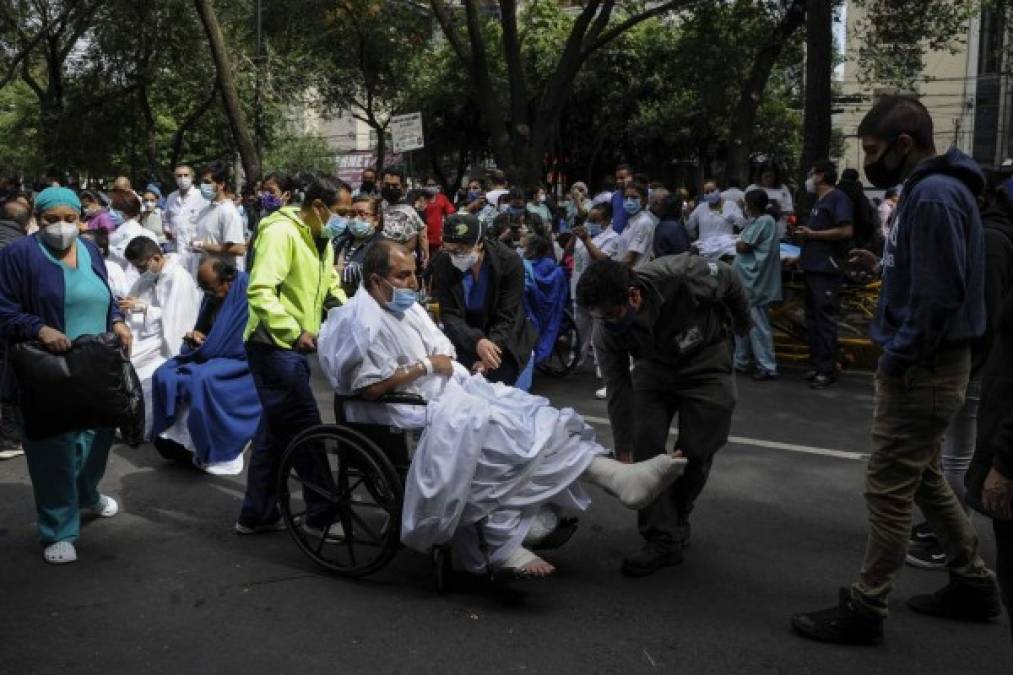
(496, 468)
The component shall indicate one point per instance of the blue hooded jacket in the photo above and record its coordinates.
(933, 264)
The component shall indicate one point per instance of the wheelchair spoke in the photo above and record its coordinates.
(365, 526)
(313, 487)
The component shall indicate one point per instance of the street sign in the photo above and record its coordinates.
(406, 131)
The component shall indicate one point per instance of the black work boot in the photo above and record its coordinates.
(650, 559)
(961, 599)
(848, 623)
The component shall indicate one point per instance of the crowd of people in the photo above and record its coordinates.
(219, 299)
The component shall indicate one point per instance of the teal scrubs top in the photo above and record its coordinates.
(86, 297)
(760, 267)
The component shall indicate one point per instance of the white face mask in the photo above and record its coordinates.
(60, 235)
(150, 205)
(184, 183)
(464, 261)
(810, 185)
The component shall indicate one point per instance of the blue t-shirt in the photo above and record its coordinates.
(86, 297)
(670, 238)
(475, 291)
(832, 210)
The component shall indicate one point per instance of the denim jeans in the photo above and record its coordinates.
(911, 414)
(282, 378)
(759, 344)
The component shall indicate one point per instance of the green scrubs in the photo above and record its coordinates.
(66, 468)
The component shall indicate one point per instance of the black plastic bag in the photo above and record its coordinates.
(93, 386)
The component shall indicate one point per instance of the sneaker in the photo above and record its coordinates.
(601, 394)
(822, 381)
(11, 453)
(276, 526)
(922, 533)
(848, 623)
(60, 553)
(764, 375)
(651, 558)
(927, 556)
(961, 599)
(105, 507)
(335, 531)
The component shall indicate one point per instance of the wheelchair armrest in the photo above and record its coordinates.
(394, 397)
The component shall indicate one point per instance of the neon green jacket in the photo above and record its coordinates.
(290, 279)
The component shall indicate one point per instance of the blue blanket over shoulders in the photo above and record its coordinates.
(546, 296)
(215, 380)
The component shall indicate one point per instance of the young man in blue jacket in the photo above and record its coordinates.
(930, 310)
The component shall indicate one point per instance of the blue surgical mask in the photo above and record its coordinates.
(473, 195)
(207, 191)
(116, 216)
(359, 227)
(593, 229)
(631, 205)
(515, 211)
(335, 227)
(402, 300)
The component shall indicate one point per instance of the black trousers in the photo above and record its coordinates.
(703, 397)
(822, 305)
(1004, 564)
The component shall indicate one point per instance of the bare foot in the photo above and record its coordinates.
(537, 568)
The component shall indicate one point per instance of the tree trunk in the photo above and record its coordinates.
(818, 70)
(177, 138)
(381, 149)
(740, 141)
(230, 95)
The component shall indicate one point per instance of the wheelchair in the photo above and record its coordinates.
(341, 492)
(565, 353)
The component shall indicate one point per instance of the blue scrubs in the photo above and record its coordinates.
(66, 468)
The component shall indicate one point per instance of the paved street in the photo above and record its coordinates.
(167, 588)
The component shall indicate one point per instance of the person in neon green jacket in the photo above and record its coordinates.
(292, 281)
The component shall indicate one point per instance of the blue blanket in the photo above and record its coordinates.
(546, 296)
(215, 379)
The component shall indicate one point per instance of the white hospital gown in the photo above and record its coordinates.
(490, 453)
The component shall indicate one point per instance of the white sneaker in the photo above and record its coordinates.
(105, 507)
(601, 394)
(11, 454)
(60, 553)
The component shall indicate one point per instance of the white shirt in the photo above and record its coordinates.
(180, 216)
(492, 196)
(220, 223)
(607, 242)
(118, 240)
(705, 222)
(638, 237)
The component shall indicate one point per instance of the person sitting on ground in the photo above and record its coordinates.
(204, 404)
(546, 293)
(490, 453)
(161, 308)
(479, 285)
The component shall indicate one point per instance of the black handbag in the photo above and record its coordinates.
(92, 386)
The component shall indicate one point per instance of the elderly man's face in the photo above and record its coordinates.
(210, 285)
(402, 275)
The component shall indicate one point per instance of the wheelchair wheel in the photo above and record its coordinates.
(341, 500)
(565, 353)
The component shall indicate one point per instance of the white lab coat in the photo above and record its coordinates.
(171, 303)
(704, 222)
(180, 219)
(118, 240)
(489, 453)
